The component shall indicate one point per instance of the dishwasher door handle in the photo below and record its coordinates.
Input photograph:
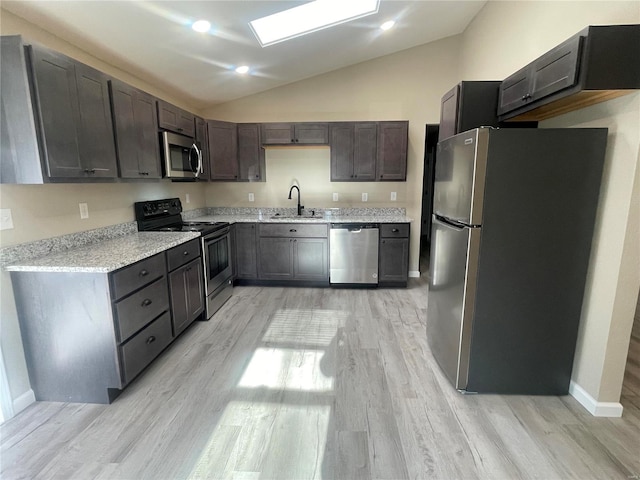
(355, 230)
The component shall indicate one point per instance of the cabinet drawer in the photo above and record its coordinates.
(131, 278)
(397, 230)
(136, 311)
(138, 352)
(294, 230)
(182, 254)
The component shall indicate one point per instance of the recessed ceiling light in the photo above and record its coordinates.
(387, 25)
(242, 69)
(310, 17)
(201, 26)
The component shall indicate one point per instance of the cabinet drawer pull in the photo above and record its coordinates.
(293, 230)
(185, 253)
(395, 230)
(151, 339)
(143, 273)
(146, 302)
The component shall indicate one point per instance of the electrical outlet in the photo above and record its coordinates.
(335, 197)
(365, 197)
(6, 220)
(84, 210)
(252, 197)
(187, 198)
(394, 197)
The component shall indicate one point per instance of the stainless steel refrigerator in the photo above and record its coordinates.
(514, 211)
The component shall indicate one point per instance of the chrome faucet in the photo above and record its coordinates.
(300, 207)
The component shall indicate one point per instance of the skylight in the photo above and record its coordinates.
(310, 17)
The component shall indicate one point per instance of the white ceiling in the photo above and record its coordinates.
(153, 40)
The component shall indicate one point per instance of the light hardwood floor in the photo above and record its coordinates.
(298, 383)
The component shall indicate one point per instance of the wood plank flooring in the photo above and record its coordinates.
(300, 383)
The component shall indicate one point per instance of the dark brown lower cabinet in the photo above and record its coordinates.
(393, 267)
(187, 295)
(293, 252)
(246, 251)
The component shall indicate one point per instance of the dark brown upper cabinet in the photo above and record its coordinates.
(20, 160)
(595, 65)
(136, 131)
(175, 119)
(203, 142)
(74, 116)
(305, 133)
(223, 150)
(251, 158)
(392, 151)
(353, 151)
(468, 105)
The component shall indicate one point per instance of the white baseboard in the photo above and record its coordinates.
(595, 408)
(414, 273)
(23, 401)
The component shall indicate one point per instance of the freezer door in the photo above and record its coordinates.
(452, 286)
(459, 179)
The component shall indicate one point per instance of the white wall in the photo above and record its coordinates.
(504, 37)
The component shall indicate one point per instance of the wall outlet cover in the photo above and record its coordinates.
(365, 197)
(84, 210)
(335, 197)
(394, 196)
(6, 220)
(187, 198)
(252, 197)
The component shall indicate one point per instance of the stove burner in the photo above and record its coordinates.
(164, 216)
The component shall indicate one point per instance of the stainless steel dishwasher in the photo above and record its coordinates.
(353, 258)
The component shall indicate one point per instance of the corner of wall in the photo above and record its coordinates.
(595, 408)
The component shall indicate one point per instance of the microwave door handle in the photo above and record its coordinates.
(198, 169)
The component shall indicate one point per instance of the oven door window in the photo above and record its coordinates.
(181, 159)
(218, 256)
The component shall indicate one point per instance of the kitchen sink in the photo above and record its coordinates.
(296, 217)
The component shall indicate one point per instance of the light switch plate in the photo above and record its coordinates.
(252, 197)
(6, 220)
(335, 196)
(365, 196)
(84, 210)
(394, 196)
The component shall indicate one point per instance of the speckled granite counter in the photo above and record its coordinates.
(254, 218)
(105, 256)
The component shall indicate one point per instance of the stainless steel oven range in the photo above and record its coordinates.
(165, 215)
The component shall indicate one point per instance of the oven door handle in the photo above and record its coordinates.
(217, 234)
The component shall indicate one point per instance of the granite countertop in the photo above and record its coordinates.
(105, 256)
(254, 218)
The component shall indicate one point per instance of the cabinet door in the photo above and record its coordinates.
(392, 151)
(310, 259)
(365, 151)
(277, 133)
(203, 143)
(449, 113)
(514, 91)
(223, 150)
(276, 258)
(136, 131)
(57, 101)
(342, 142)
(175, 119)
(394, 260)
(97, 146)
(556, 69)
(187, 295)
(311, 133)
(246, 251)
(250, 153)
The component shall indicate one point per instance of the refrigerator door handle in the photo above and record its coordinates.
(449, 223)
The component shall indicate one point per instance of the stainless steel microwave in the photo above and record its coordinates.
(182, 156)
